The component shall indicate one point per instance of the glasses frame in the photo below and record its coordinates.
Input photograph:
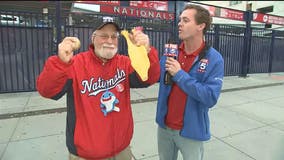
(105, 36)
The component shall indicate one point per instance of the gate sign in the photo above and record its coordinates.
(117, 3)
(232, 14)
(223, 12)
(265, 18)
(155, 5)
(136, 12)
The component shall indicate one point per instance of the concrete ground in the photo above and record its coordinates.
(246, 124)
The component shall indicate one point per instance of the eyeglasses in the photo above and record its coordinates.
(105, 36)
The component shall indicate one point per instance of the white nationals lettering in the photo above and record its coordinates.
(100, 85)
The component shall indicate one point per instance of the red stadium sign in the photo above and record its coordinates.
(137, 12)
(265, 18)
(117, 3)
(232, 14)
(154, 5)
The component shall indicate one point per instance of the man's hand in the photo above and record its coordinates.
(66, 48)
(139, 38)
(137, 52)
(172, 66)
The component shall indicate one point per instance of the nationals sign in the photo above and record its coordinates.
(137, 12)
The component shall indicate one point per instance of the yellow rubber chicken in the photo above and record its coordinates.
(138, 56)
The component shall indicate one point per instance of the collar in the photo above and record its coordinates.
(195, 53)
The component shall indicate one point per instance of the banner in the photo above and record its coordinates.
(231, 14)
(137, 12)
(264, 18)
(117, 3)
(223, 12)
(151, 5)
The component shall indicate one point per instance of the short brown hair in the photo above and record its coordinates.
(202, 15)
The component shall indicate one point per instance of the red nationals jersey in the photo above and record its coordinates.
(99, 117)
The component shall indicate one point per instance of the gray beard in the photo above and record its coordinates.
(105, 54)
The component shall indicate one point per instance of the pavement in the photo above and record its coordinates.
(246, 124)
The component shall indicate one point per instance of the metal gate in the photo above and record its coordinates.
(264, 55)
(25, 46)
(27, 41)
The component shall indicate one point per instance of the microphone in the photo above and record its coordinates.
(171, 50)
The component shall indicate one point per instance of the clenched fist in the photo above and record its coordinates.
(66, 48)
(139, 38)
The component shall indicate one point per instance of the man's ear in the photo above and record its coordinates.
(92, 38)
(201, 26)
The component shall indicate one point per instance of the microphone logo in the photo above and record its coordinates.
(171, 50)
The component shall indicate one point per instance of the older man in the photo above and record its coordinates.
(97, 83)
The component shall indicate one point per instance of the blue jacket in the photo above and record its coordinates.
(202, 84)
